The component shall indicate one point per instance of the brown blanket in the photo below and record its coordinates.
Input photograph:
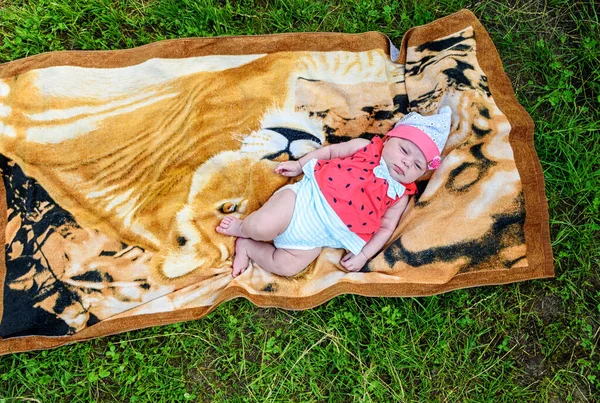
(118, 165)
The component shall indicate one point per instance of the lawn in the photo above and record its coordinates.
(536, 341)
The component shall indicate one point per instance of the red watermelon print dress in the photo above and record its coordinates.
(340, 202)
(357, 195)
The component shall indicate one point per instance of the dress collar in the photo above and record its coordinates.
(395, 188)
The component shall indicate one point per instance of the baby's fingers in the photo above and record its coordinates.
(353, 267)
(286, 173)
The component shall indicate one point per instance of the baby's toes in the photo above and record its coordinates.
(225, 222)
(242, 269)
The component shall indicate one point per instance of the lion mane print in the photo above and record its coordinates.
(116, 178)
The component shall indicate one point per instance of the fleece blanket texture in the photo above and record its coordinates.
(118, 165)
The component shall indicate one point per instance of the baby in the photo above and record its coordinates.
(352, 197)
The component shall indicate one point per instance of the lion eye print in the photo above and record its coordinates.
(227, 208)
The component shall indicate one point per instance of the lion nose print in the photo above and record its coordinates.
(181, 240)
(228, 208)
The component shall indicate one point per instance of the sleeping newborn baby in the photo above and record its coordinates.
(352, 197)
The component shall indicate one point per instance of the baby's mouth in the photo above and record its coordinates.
(398, 169)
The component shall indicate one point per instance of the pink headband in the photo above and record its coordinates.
(421, 140)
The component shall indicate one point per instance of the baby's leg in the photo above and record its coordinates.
(285, 262)
(265, 223)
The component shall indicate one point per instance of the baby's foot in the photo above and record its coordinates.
(241, 260)
(231, 226)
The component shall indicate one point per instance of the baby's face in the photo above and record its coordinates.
(404, 159)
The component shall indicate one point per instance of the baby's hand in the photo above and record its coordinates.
(353, 262)
(289, 168)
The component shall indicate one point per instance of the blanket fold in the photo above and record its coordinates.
(118, 165)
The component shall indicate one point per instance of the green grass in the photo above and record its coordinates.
(536, 341)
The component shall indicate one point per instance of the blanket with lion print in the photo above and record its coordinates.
(117, 167)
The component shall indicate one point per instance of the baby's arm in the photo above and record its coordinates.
(389, 222)
(340, 150)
